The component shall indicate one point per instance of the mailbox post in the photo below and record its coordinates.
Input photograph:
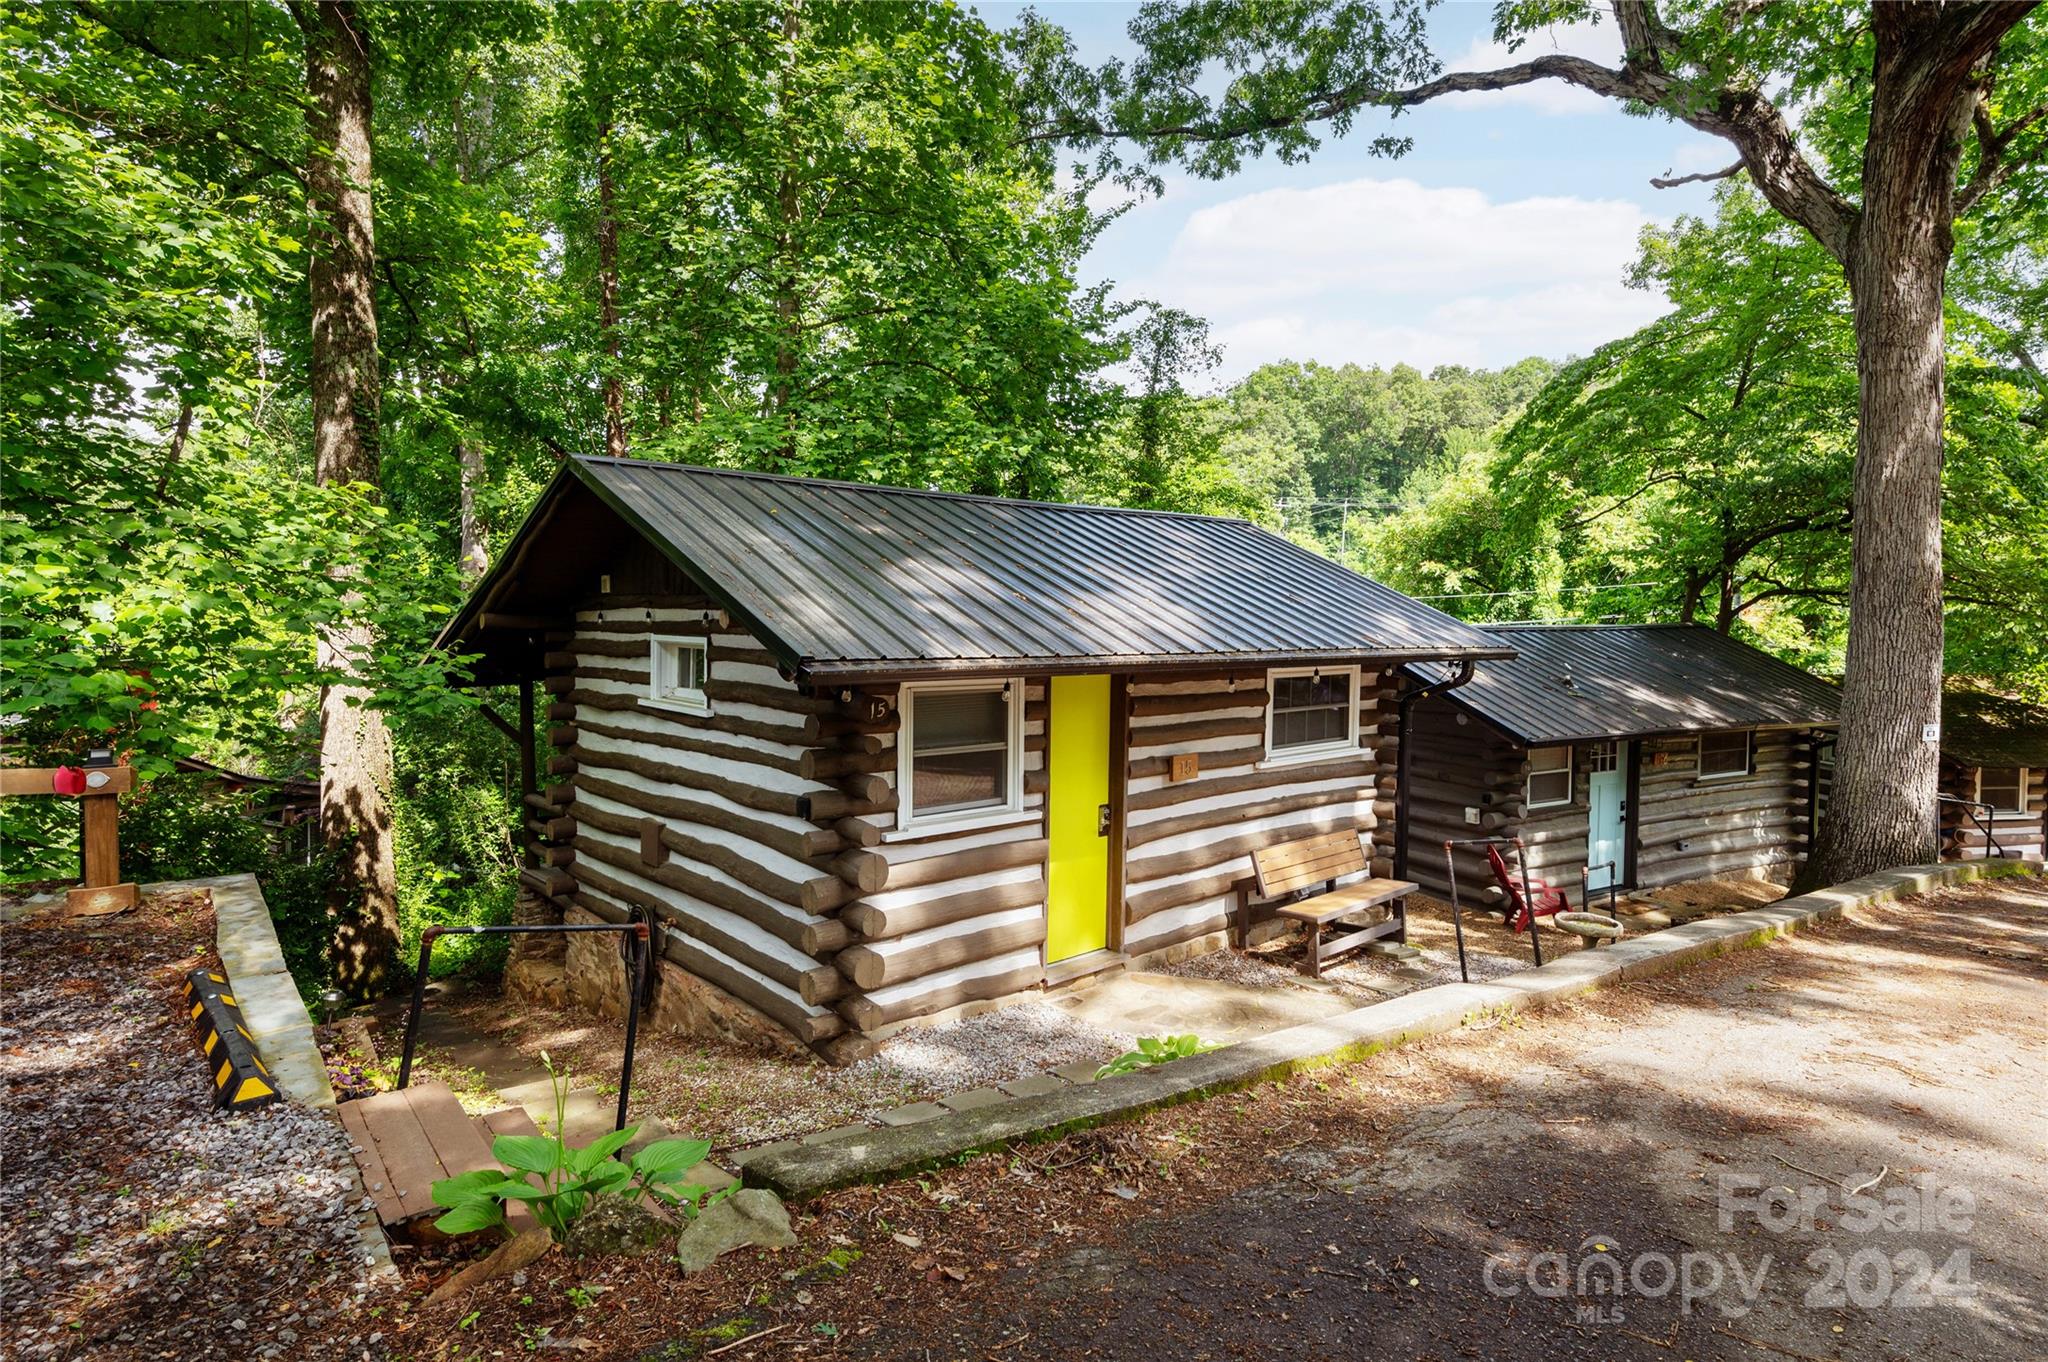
(97, 785)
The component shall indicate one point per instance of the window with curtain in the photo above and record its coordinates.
(961, 748)
(2004, 788)
(1550, 775)
(1723, 755)
(1313, 711)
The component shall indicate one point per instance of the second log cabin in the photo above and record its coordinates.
(870, 756)
(1644, 755)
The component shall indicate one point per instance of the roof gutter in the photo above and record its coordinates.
(854, 674)
(1406, 706)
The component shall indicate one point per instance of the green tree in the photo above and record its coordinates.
(1923, 116)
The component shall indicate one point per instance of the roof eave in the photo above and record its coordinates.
(856, 672)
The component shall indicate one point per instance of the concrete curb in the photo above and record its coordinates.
(276, 1015)
(801, 1171)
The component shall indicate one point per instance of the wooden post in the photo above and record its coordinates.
(101, 889)
(529, 782)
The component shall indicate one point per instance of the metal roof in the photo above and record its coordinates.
(844, 580)
(1979, 728)
(1581, 683)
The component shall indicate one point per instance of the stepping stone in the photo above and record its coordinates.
(1080, 1071)
(912, 1114)
(973, 1101)
(1391, 950)
(1038, 1085)
(833, 1136)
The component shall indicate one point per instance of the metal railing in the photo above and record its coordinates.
(1985, 816)
(1457, 916)
(1586, 890)
(636, 948)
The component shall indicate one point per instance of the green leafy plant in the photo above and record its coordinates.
(1157, 1050)
(569, 1179)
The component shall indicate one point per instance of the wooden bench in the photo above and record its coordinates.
(1291, 867)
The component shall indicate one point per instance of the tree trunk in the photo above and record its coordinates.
(469, 457)
(788, 322)
(355, 746)
(1882, 809)
(608, 295)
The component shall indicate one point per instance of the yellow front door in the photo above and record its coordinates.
(1077, 771)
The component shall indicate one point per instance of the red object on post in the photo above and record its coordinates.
(67, 780)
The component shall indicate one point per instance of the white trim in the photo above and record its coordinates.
(908, 823)
(1570, 777)
(685, 700)
(1322, 751)
(2025, 774)
(973, 820)
(1699, 756)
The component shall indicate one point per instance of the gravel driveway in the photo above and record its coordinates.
(139, 1222)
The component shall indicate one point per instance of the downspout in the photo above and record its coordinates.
(1406, 708)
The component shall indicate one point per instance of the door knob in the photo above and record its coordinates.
(1102, 820)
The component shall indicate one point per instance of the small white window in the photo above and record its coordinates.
(2004, 788)
(1724, 755)
(1550, 776)
(960, 752)
(676, 668)
(1314, 712)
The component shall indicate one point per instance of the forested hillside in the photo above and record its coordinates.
(306, 302)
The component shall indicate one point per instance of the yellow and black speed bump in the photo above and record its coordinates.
(239, 1079)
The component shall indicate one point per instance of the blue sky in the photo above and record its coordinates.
(1504, 233)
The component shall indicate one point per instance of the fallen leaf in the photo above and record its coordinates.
(909, 1241)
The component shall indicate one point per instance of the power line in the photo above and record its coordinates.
(1537, 591)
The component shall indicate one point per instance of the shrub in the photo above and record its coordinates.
(570, 1179)
(1154, 1050)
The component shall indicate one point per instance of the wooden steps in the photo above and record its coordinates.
(408, 1140)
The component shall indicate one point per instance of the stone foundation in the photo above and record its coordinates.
(593, 975)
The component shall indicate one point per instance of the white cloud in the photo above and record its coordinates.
(1388, 271)
(1595, 42)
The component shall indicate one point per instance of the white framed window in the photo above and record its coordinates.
(676, 670)
(1550, 776)
(1724, 756)
(959, 757)
(2004, 788)
(1313, 712)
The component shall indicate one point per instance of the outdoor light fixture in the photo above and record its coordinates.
(329, 1000)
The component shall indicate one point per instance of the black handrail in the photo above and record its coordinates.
(1986, 823)
(638, 946)
(1586, 888)
(1457, 921)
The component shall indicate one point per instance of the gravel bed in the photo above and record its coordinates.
(996, 1047)
(140, 1222)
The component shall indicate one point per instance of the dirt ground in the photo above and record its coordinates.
(1690, 1143)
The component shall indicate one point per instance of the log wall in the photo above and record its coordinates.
(1188, 843)
(1684, 828)
(2019, 834)
(1455, 764)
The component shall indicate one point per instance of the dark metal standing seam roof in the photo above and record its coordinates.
(845, 580)
(1582, 683)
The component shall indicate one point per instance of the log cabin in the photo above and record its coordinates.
(1994, 752)
(1643, 755)
(870, 757)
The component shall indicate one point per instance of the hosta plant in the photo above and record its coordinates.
(1157, 1050)
(558, 1183)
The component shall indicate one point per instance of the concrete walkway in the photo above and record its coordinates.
(990, 1118)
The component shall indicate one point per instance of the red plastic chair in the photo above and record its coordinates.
(1542, 898)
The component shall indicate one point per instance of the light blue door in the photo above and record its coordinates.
(1606, 813)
